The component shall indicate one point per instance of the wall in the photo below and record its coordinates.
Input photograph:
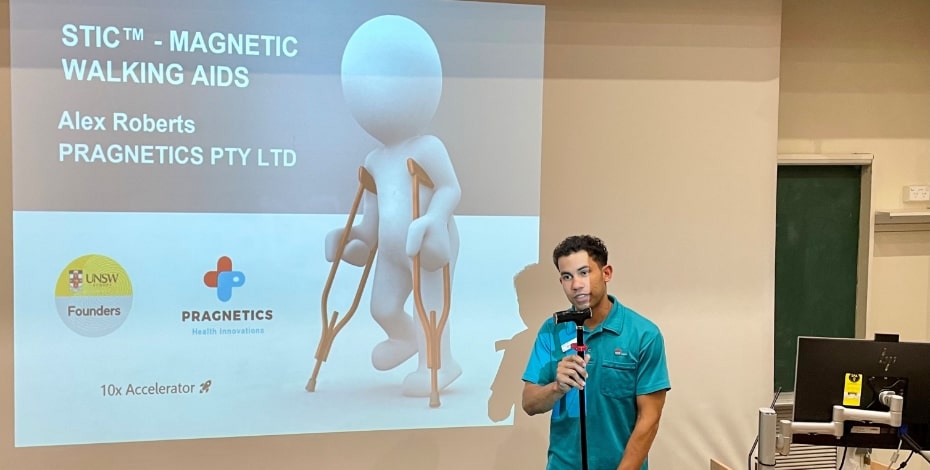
(680, 119)
(855, 77)
(660, 136)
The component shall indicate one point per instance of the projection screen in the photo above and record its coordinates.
(199, 185)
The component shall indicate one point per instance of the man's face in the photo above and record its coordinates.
(584, 282)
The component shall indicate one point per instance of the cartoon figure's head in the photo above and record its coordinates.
(391, 78)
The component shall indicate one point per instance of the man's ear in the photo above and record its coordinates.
(608, 271)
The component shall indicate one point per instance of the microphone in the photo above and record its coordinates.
(571, 315)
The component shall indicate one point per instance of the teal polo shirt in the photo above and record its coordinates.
(627, 359)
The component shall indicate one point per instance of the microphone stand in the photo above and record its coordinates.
(578, 317)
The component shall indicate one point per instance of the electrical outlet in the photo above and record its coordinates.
(917, 193)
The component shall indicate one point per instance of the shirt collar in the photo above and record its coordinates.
(614, 320)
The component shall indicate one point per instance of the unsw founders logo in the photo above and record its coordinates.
(93, 295)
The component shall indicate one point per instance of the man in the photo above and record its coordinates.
(623, 375)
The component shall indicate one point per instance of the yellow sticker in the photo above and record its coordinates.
(852, 392)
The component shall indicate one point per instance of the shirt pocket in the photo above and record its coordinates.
(618, 378)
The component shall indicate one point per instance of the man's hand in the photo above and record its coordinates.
(571, 372)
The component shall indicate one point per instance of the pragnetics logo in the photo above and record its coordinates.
(224, 278)
(93, 295)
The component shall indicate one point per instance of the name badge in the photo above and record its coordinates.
(568, 344)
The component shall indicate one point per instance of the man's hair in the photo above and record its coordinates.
(587, 243)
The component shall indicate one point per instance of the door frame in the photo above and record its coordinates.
(866, 220)
(866, 239)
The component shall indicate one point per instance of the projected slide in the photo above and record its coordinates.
(256, 218)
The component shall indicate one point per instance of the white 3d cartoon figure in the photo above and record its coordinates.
(392, 82)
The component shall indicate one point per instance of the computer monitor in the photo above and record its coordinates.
(851, 373)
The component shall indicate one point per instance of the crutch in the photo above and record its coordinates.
(431, 329)
(330, 325)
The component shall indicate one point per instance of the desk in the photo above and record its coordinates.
(715, 465)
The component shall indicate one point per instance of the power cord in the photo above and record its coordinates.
(896, 454)
(912, 443)
(904, 464)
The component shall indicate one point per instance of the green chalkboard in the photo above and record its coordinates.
(816, 251)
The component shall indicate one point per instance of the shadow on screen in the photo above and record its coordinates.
(524, 442)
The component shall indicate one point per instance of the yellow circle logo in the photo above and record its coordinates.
(93, 295)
